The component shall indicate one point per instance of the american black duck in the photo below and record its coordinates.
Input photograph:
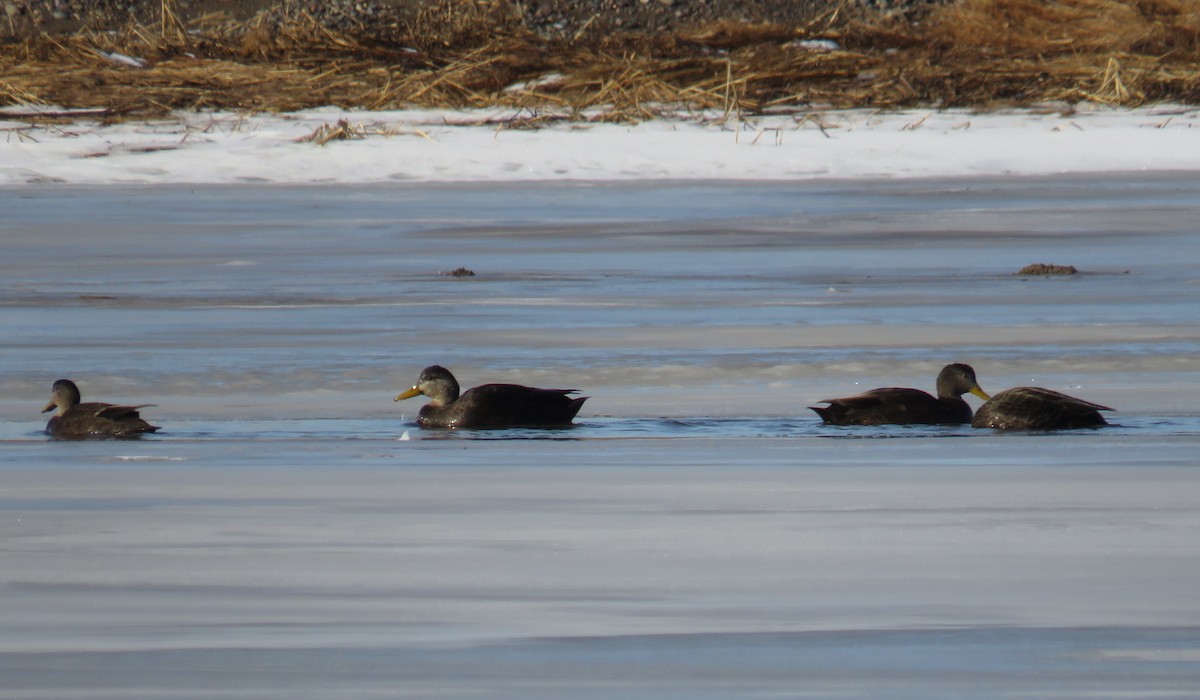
(87, 420)
(1035, 408)
(897, 405)
(489, 405)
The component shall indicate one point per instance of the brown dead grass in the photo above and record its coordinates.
(1110, 51)
(974, 53)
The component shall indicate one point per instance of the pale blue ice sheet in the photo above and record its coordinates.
(698, 534)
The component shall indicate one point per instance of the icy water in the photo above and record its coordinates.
(291, 534)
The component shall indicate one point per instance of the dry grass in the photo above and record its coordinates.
(975, 53)
(1112, 51)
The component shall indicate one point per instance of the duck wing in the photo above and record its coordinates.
(1073, 404)
(115, 412)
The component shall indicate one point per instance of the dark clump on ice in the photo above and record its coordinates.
(457, 272)
(1047, 269)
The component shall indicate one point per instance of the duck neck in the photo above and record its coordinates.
(447, 393)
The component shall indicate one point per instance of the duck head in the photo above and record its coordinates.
(958, 379)
(437, 383)
(63, 395)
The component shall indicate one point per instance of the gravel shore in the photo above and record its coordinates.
(564, 18)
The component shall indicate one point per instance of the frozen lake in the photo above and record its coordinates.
(699, 533)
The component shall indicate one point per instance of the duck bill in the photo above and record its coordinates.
(408, 394)
(49, 407)
(981, 394)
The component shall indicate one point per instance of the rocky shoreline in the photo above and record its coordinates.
(550, 18)
(614, 60)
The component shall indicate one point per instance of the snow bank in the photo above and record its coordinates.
(443, 146)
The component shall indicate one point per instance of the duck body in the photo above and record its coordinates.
(76, 420)
(904, 406)
(894, 405)
(1035, 408)
(490, 405)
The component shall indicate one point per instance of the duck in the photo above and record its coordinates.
(1035, 408)
(91, 420)
(490, 405)
(903, 406)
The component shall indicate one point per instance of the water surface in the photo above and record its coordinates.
(698, 533)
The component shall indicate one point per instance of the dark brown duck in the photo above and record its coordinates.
(903, 406)
(1035, 408)
(490, 405)
(91, 420)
